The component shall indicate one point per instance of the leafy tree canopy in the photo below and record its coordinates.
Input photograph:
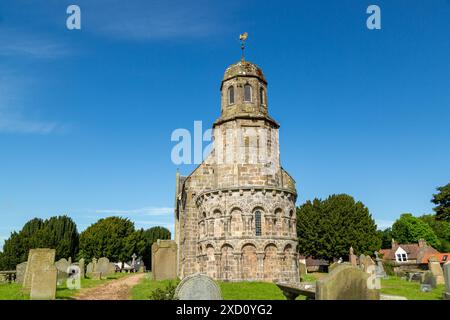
(410, 229)
(328, 228)
(442, 230)
(442, 202)
(59, 233)
(114, 238)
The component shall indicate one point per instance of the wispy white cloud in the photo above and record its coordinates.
(147, 211)
(156, 20)
(29, 44)
(14, 91)
(384, 224)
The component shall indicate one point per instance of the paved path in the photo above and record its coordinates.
(119, 289)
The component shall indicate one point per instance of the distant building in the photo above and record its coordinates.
(409, 256)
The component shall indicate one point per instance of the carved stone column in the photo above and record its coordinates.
(260, 265)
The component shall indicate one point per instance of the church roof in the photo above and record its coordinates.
(244, 68)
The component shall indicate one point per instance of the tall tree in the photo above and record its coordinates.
(328, 228)
(152, 235)
(59, 233)
(410, 229)
(442, 202)
(442, 230)
(386, 238)
(113, 237)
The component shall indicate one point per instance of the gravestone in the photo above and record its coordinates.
(62, 265)
(38, 260)
(352, 258)
(198, 287)
(82, 268)
(379, 266)
(435, 267)
(43, 283)
(302, 269)
(95, 275)
(89, 268)
(362, 261)
(368, 263)
(446, 268)
(345, 282)
(105, 267)
(20, 272)
(164, 260)
(428, 278)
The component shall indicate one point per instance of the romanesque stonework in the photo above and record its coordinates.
(235, 214)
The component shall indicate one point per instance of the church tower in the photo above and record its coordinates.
(235, 213)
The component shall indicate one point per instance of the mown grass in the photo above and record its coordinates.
(410, 290)
(12, 291)
(269, 291)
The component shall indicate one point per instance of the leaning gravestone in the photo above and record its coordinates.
(198, 287)
(20, 272)
(346, 282)
(446, 268)
(43, 283)
(379, 266)
(38, 260)
(435, 267)
(164, 260)
(62, 265)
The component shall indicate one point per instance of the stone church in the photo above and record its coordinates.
(235, 214)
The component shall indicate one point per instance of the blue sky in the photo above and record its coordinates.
(86, 115)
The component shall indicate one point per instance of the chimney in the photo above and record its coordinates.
(393, 243)
(422, 243)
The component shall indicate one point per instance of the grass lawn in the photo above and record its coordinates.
(410, 290)
(269, 291)
(13, 291)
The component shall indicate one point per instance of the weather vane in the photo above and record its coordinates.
(242, 38)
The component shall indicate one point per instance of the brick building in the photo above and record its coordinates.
(235, 213)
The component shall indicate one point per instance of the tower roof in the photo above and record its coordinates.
(243, 69)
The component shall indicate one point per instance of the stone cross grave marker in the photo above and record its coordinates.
(198, 287)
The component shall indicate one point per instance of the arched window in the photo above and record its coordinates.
(230, 95)
(262, 97)
(248, 93)
(258, 223)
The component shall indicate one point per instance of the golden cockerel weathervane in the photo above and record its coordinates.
(242, 38)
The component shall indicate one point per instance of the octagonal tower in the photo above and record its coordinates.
(235, 213)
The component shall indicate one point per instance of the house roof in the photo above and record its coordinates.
(441, 257)
(414, 251)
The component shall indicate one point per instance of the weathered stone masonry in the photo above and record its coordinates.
(235, 215)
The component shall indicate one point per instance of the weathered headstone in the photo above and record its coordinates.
(89, 269)
(345, 282)
(429, 278)
(446, 268)
(105, 267)
(95, 276)
(302, 269)
(435, 267)
(38, 260)
(362, 262)
(62, 265)
(43, 283)
(352, 257)
(198, 287)
(20, 272)
(82, 268)
(164, 260)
